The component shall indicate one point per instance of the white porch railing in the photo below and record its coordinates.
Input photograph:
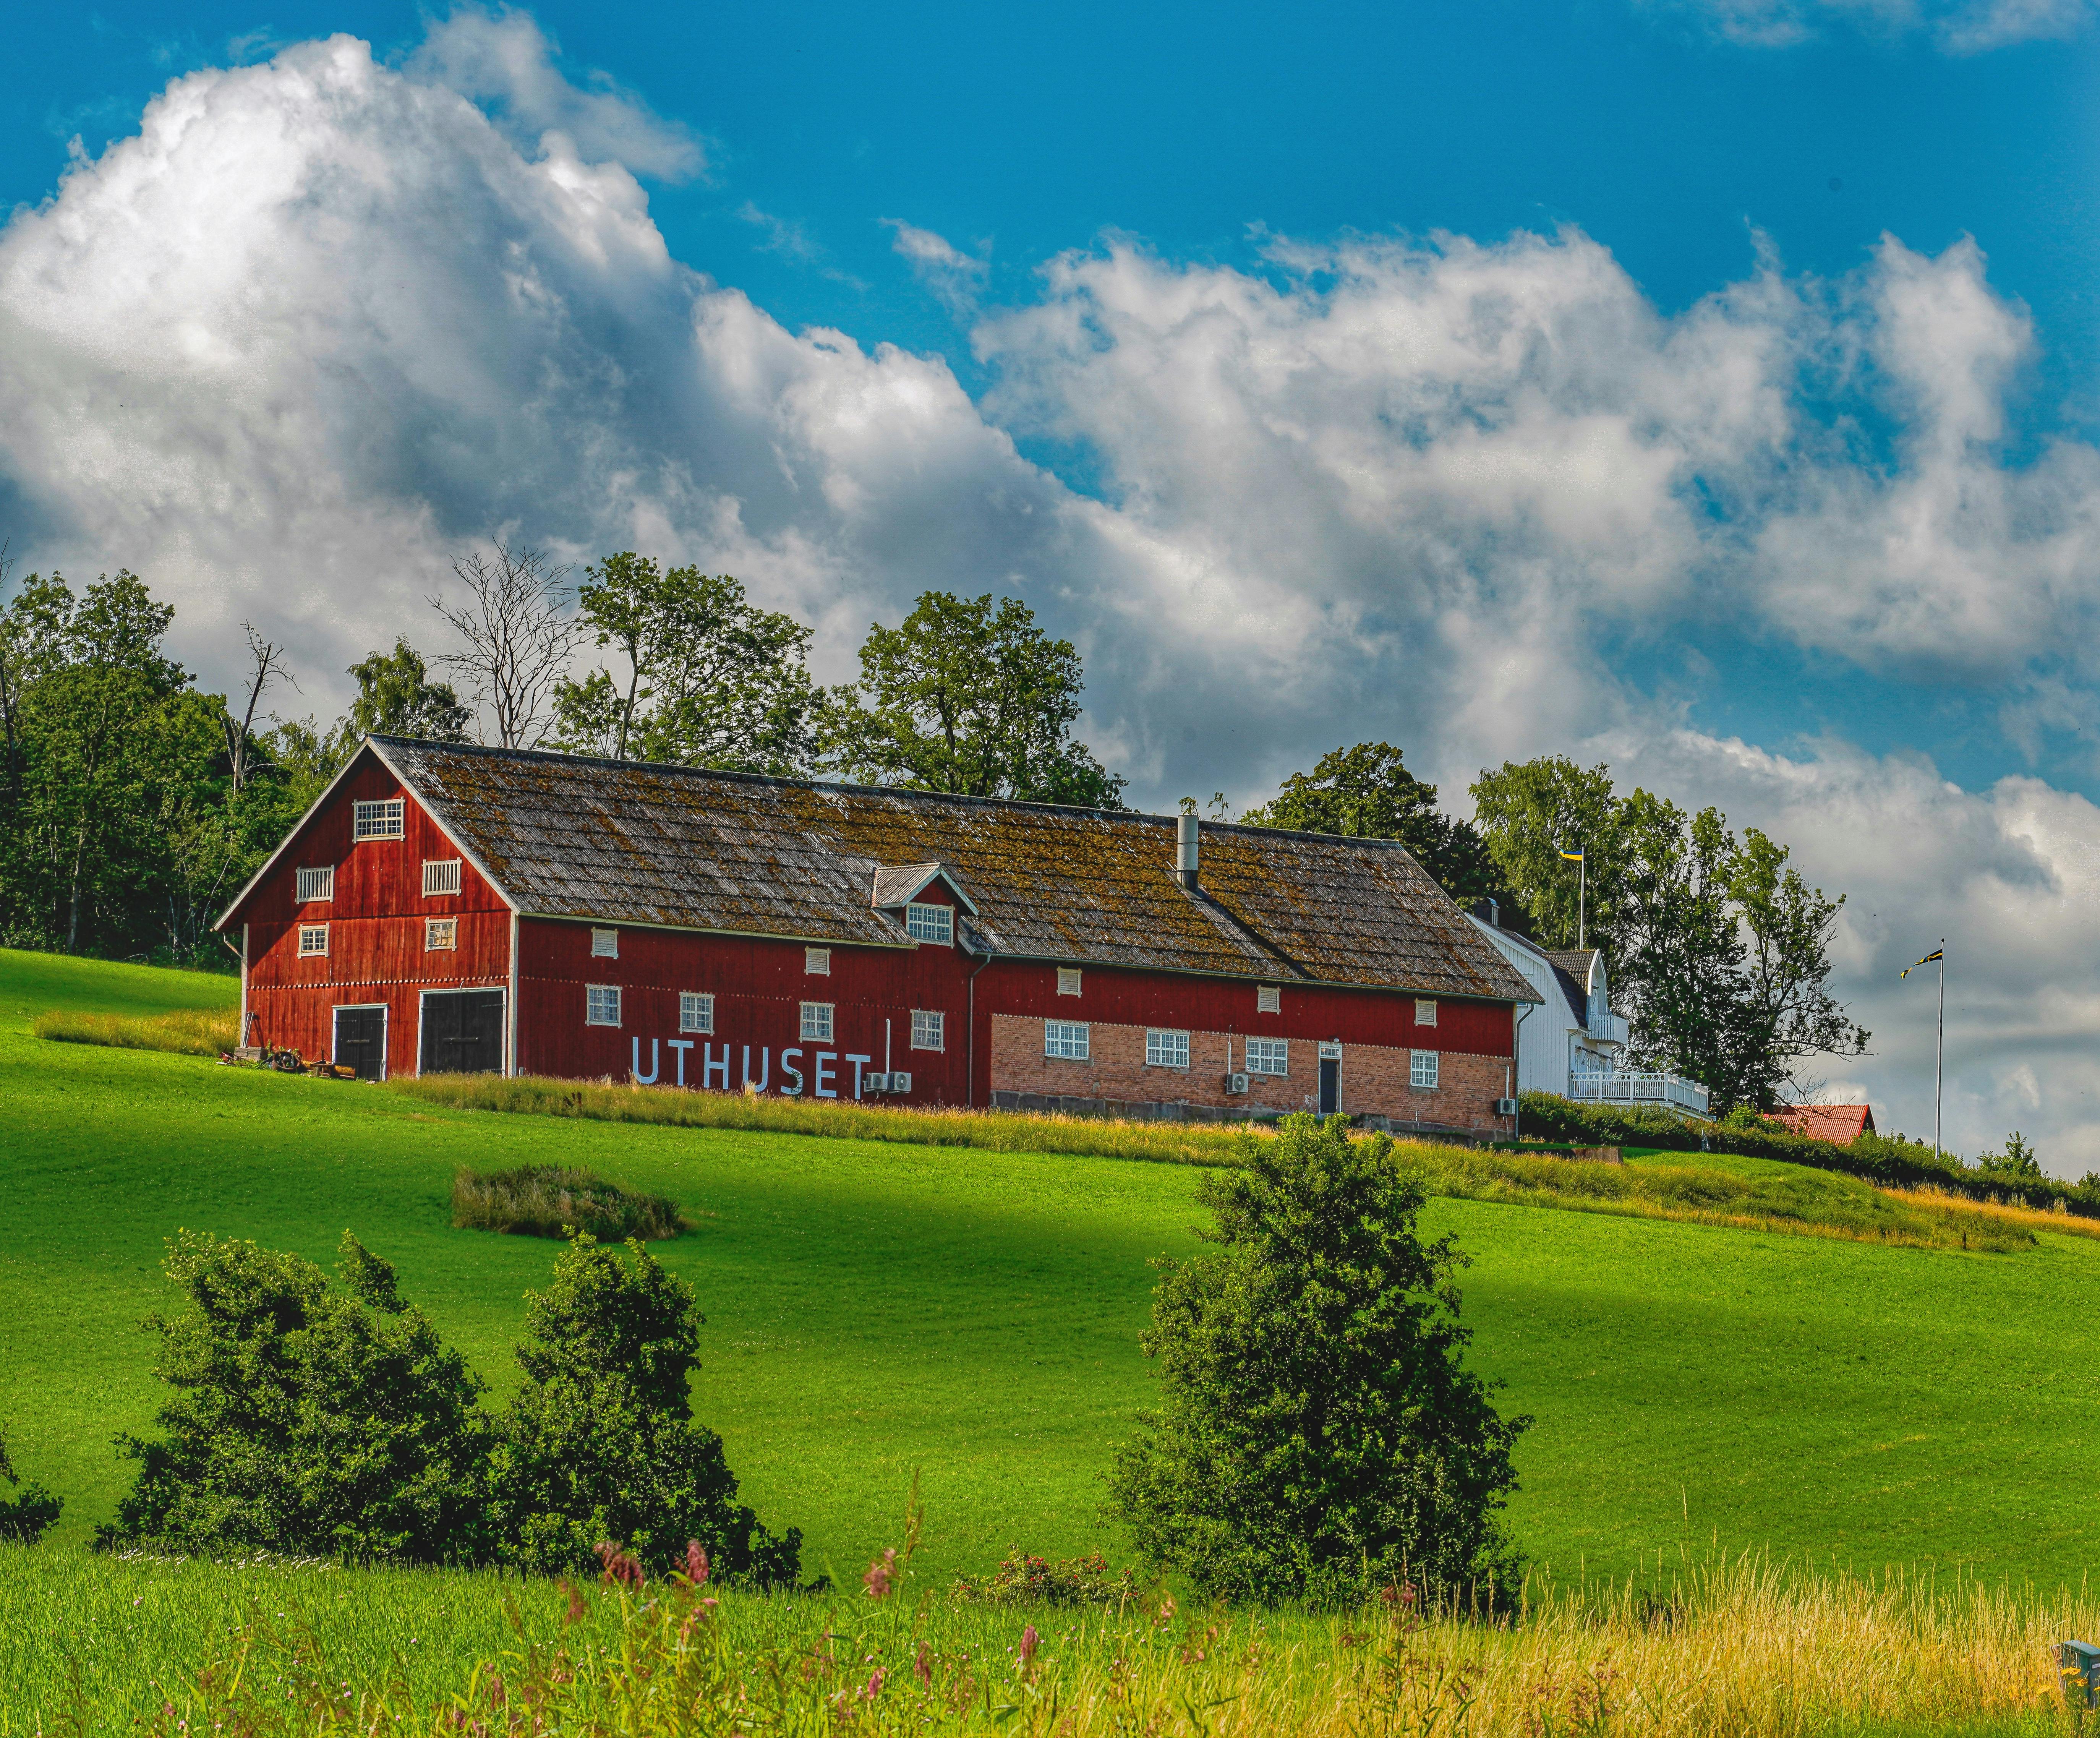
(1667, 1090)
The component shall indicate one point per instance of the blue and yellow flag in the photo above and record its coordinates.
(1573, 857)
(1937, 953)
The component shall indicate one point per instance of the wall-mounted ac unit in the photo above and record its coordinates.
(1505, 1107)
(900, 1082)
(1236, 1083)
(875, 1083)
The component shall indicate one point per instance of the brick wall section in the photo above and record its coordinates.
(1374, 1077)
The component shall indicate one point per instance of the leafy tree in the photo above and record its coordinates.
(308, 1416)
(395, 697)
(2018, 1162)
(601, 1443)
(1367, 792)
(709, 679)
(26, 1515)
(1318, 1436)
(969, 699)
(1789, 1013)
(1528, 812)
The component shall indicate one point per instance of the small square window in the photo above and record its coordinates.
(1425, 1012)
(1166, 1049)
(1422, 1070)
(440, 933)
(929, 1029)
(602, 1005)
(313, 939)
(316, 885)
(696, 1012)
(441, 877)
(1068, 980)
(929, 923)
(605, 944)
(817, 962)
(816, 1022)
(1066, 1038)
(1268, 999)
(377, 820)
(1269, 1055)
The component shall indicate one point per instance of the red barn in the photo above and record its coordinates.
(445, 907)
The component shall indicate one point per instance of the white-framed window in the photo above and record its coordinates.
(929, 923)
(1425, 1012)
(1268, 999)
(1421, 1068)
(816, 1022)
(602, 1004)
(817, 963)
(1269, 1055)
(440, 933)
(605, 944)
(441, 876)
(696, 1011)
(316, 885)
(1068, 980)
(1066, 1038)
(313, 939)
(929, 1029)
(1166, 1049)
(381, 820)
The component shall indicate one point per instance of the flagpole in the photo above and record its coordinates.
(1940, 1050)
(1583, 901)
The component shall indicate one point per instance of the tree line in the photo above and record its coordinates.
(135, 804)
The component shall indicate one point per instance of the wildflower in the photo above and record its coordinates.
(922, 1668)
(882, 1577)
(621, 1566)
(575, 1612)
(874, 1685)
(696, 1563)
(1029, 1641)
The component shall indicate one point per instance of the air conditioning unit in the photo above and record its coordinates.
(900, 1082)
(1236, 1083)
(875, 1083)
(1505, 1107)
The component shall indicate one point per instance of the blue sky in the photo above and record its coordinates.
(1703, 386)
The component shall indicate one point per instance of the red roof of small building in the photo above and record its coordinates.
(1839, 1124)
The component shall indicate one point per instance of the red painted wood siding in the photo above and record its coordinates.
(376, 927)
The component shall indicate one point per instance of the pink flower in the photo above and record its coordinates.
(874, 1685)
(922, 1668)
(619, 1566)
(882, 1577)
(1029, 1641)
(696, 1563)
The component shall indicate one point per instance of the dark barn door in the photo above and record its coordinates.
(462, 1031)
(1330, 1085)
(360, 1041)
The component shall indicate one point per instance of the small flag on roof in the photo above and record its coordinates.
(1937, 953)
(1573, 857)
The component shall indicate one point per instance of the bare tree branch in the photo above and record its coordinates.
(266, 661)
(519, 640)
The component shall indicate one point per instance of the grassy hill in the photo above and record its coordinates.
(873, 1307)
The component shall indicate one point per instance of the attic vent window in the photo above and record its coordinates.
(817, 963)
(1068, 981)
(1268, 999)
(1425, 1012)
(696, 1012)
(930, 922)
(441, 878)
(313, 939)
(316, 884)
(377, 820)
(440, 933)
(605, 944)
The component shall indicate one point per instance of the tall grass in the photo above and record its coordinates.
(1807, 1203)
(186, 1031)
(1718, 1648)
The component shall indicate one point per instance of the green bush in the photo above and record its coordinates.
(601, 1444)
(548, 1201)
(1023, 1579)
(1318, 1436)
(310, 1416)
(28, 1514)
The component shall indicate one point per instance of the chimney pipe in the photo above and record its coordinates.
(1186, 849)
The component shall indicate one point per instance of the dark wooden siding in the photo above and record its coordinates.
(376, 955)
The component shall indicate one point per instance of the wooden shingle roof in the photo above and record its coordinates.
(566, 836)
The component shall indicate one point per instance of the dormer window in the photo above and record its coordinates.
(930, 922)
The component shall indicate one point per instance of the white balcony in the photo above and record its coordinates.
(1661, 1091)
(1607, 1029)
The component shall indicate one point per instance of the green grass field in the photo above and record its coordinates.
(872, 1307)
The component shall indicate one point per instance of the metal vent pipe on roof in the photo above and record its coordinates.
(1187, 850)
